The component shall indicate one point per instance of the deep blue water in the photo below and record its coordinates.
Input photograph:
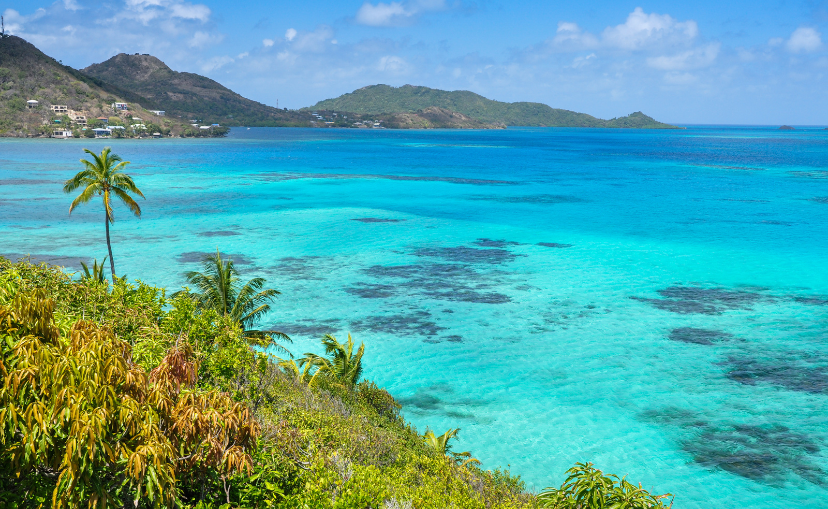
(651, 301)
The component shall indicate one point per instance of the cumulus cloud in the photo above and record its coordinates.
(395, 13)
(642, 29)
(290, 34)
(804, 40)
(267, 42)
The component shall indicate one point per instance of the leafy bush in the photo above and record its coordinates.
(588, 488)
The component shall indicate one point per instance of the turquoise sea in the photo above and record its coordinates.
(655, 302)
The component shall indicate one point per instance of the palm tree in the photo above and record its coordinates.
(441, 444)
(104, 177)
(220, 289)
(344, 365)
(97, 272)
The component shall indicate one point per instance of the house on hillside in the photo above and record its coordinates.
(102, 132)
(77, 118)
(59, 108)
(105, 120)
(62, 133)
(159, 113)
(31, 104)
(120, 106)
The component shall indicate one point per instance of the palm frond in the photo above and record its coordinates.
(128, 201)
(91, 191)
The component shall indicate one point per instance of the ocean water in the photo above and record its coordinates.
(652, 301)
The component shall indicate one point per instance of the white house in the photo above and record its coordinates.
(120, 106)
(31, 104)
(59, 108)
(60, 133)
(160, 113)
(101, 132)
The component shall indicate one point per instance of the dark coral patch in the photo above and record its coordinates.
(495, 243)
(470, 255)
(698, 300)
(372, 291)
(699, 336)
(765, 453)
(554, 244)
(376, 220)
(310, 328)
(199, 256)
(533, 198)
(219, 233)
(299, 268)
(439, 281)
(418, 322)
(790, 373)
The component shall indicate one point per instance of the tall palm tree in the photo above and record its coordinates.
(104, 177)
(220, 288)
(343, 365)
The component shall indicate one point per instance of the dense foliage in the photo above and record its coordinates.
(378, 99)
(116, 395)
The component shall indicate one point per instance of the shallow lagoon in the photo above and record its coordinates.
(653, 302)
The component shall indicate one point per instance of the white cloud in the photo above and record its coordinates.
(395, 13)
(243, 55)
(216, 63)
(642, 29)
(582, 61)
(71, 5)
(201, 39)
(690, 59)
(267, 43)
(315, 41)
(392, 64)
(290, 34)
(804, 40)
(571, 36)
(198, 12)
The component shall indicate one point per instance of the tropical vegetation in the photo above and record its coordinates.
(220, 289)
(104, 176)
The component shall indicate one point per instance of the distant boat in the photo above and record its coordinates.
(248, 128)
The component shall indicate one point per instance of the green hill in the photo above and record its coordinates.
(378, 99)
(189, 96)
(27, 74)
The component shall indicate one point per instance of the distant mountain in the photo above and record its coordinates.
(189, 96)
(377, 99)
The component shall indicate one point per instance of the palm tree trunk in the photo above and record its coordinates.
(109, 247)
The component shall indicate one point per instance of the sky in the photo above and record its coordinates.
(701, 62)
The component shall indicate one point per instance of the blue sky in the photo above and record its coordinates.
(757, 62)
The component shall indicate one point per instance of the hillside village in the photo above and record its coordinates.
(116, 121)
